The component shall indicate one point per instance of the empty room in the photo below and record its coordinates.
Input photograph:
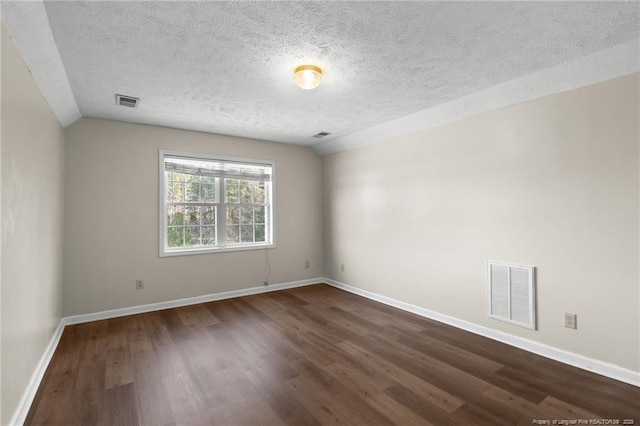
(320, 212)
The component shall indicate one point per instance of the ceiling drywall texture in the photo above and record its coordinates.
(226, 67)
(617, 61)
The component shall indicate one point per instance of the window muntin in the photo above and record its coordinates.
(214, 203)
(246, 211)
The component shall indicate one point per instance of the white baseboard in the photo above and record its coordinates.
(24, 405)
(595, 366)
(20, 414)
(77, 319)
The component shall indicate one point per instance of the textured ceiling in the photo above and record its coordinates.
(226, 67)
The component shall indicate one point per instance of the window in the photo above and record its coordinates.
(211, 204)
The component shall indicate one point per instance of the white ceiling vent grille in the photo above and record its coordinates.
(127, 101)
(321, 135)
(511, 293)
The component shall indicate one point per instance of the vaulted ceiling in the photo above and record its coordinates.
(227, 67)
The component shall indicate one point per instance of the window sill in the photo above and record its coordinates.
(187, 252)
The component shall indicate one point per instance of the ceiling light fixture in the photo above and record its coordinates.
(307, 77)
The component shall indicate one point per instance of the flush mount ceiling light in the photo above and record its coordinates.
(307, 77)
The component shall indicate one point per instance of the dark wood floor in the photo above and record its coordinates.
(307, 356)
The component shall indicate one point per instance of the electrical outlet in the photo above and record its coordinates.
(342, 267)
(139, 284)
(570, 320)
(307, 264)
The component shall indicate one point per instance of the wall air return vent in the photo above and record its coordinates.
(127, 101)
(511, 293)
(321, 135)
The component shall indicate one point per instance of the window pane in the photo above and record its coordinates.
(208, 215)
(231, 191)
(245, 191)
(175, 215)
(260, 214)
(260, 233)
(208, 235)
(260, 193)
(233, 234)
(208, 179)
(192, 215)
(192, 188)
(175, 236)
(208, 193)
(246, 233)
(233, 214)
(246, 215)
(174, 176)
(192, 200)
(175, 192)
(192, 236)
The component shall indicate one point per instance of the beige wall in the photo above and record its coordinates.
(32, 179)
(551, 183)
(111, 218)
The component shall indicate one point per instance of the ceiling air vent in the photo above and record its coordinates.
(321, 135)
(127, 101)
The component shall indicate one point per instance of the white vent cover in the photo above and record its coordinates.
(511, 293)
(321, 135)
(127, 101)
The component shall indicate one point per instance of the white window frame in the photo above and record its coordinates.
(270, 223)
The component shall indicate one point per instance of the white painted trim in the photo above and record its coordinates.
(28, 24)
(593, 365)
(20, 414)
(163, 251)
(78, 319)
(607, 64)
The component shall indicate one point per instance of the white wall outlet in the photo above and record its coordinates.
(139, 284)
(307, 264)
(342, 267)
(570, 320)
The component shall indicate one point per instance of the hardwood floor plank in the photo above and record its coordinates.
(607, 406)
(523, 406)
(244, 412)
(426, 390)
(377, 317)
(420, 406)
(474, 414)
(452, 355)
(308, 356)
(372, 393)
(120, 406)
(185, 401)
(339, 396)
(226, 386)
(118, 362)
(88, 394)
(561, 410)
(196, 315)
(168, 356)
(139, 341)
(281, 400)
(152, 400)
(446, 377)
